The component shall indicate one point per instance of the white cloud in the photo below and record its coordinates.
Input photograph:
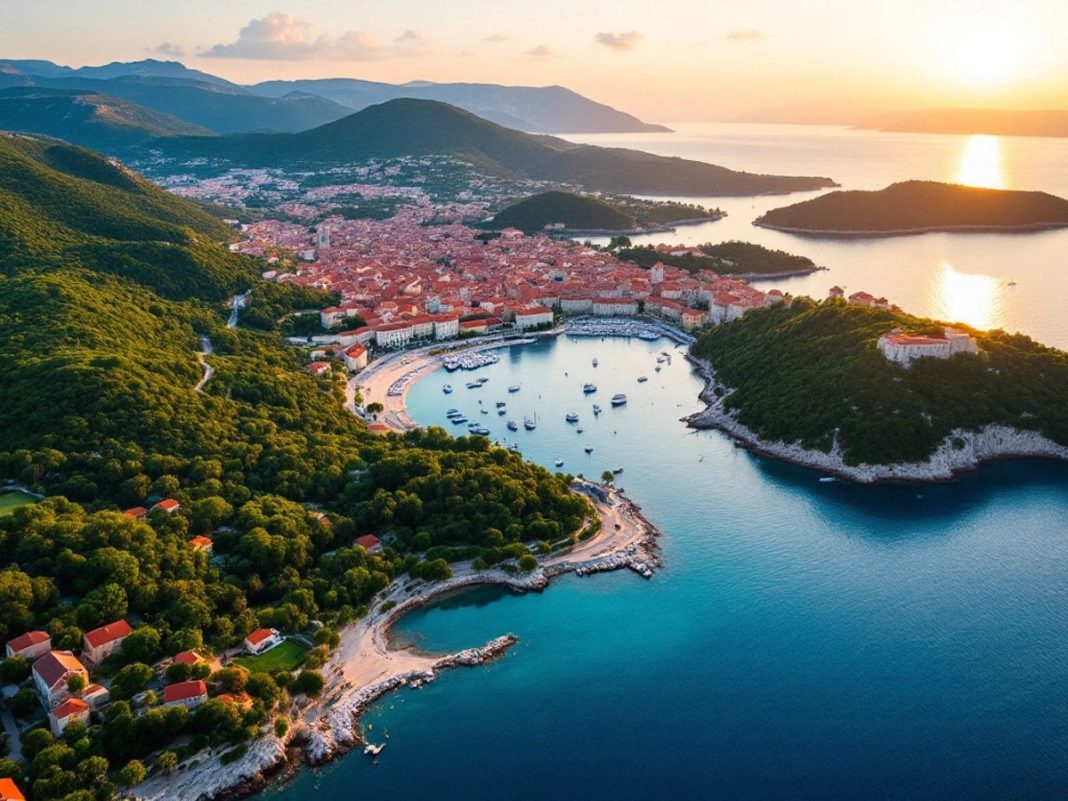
(541, 52)
(619, 41)
(169, 49)
(498, 38)
(744, 36)
(282, 37)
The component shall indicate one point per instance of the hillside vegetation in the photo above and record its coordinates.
(811, 372)
(422, 127)
(576, 212)
(726, 258)
(919, 205)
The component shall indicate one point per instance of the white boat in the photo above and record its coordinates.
(594, 361)
(619, 399)
(589, 388)
(474, 385)
(529, 424)
(513, 426)
(447, 389)
(642, 379)
(578, 430)
(588, 449)
(459, 419)
(514, 388)
(559, 463)
(596, 408)
(484, 411)
(571, 417)
(661, 358)
(827, 479)
(452, 411)
(658, 368)
(483, 380)
(502, 412)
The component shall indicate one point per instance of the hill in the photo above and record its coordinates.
(548, 109)
(422, 127)
(575, 212)
(150, 67)
(809, 374)
(998, 122)
(918, 206)
(84, 118)
(726, 258)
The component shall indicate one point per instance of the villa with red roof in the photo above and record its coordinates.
(902, 348)
(188, 658)
(201, 543)
(135, 513)
(30, 645)
(9, 791)
(168, 505)
(370, 543)
(189, 694)
(99, 644)
(262, 640)
(51, 672)
(73, 710)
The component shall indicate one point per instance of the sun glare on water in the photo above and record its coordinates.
(971, 299)
(980, 163)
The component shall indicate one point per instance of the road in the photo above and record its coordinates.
(209, 371)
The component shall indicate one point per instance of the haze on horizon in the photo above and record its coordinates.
(685, 60)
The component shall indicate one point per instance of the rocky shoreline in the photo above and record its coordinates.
(971, 450)
(328, 727)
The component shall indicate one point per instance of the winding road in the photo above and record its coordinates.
(209, 371)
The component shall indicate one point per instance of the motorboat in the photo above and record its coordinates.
(571, 417)
(559, 463)
(501, 404)
(502, 412)
(588, 449)
(578, 430)
(642, 379)
(452, 411)
(474, 385)
(484, 411)
(594, 361)
(482, 431)
(589, 389)
(514, 388)
(596, 408)
(447, 389)
(482, 380)
(617, 471)
(658, 368)
(458, 419)
(619, 399)
(529, 424)
(513, 426)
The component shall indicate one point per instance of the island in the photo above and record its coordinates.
(913, 207)
(743, 259)
(871, 393)
(991, 121)
(572, 214)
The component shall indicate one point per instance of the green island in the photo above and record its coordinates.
(919, 206)
(109, 288)
(726, 258)
(811, 373)
(571, 212)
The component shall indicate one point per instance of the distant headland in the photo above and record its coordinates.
(912, 207)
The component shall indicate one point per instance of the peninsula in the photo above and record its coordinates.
(874, 394)
(913, 207)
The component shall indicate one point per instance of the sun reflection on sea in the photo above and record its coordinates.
(980, 163)
(971, 299)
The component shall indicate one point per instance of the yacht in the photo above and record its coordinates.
(642, 379)
(529, 424)
(619, 399)
(513, 426)
(447, 389)
(458, 419)
(502, 412)
(449, 412)
(617, 471)
(482, 431)
(474, 385)
(588, 449)
(571, 417)
(483, 380)
(596, 408)
(559, 463)
(589, 388)
(514, 388)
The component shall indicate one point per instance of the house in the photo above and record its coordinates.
(135, 513)
(168, 505)
(96, 695)
(73, 710)
(9, 791)
(188, 658)
(862, 299)
(693, 318)
(262, 640)
(836, 292)
(379, 428)
(30, 645)
(533, 317)
(319, 368)
(51, 672)
(355, 357)
(370, 543)
(99, 644)
(200, 543)
(393, 335)
(189, 694)
(475, 326)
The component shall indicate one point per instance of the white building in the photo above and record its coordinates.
(393, 335)
(533, 317)
(576, 305)
(902, 348)
(262, 640)
(446, 327)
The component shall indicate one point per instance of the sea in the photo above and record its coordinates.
(805, 639)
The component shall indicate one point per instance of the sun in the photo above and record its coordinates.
(984, 51)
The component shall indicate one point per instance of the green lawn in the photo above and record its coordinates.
(286, 656)
(10, 501)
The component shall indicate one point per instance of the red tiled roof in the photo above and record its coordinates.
(187, 658)
(167, 505)
(108, 633)
(72, 706)
(258, 636)
(184, 690)
(135, 512)
(55, 665)
(368, 541)
(9, 791)
(27, 639)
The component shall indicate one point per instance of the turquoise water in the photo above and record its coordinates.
(804, 640)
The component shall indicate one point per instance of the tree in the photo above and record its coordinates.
(231, 679)
(142, 645)
(14, 669)
(76, 684)
(132, 773)
(309, 682)
(607, 477)
(178, 671)
(166, 762)
(130, 680)
(23, 702)
(281, 726)
(527, 562)
(34, 741)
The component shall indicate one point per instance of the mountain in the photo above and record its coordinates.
(918, 206)
(219, 108)
(149, 67)
(999, 122)
(549, 109)
(575, 212)
(87, 119)
(423, 127)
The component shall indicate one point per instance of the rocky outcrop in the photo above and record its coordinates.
(961, 452)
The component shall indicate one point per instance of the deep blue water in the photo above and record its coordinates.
(804, 640)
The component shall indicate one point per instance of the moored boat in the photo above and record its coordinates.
(571, 417)
(447, 389)
(513, 425)
(619, 399)
(514, 388)
(589, 388)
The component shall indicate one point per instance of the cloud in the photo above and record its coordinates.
(168, 49)
(498, 38)
(541, 52)
(619, 41)
(281, 37)
(745, 36)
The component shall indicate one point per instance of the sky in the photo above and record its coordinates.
(666, 61)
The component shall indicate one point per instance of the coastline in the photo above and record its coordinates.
(659, 228)
(816, 233)
(993, 443)
(364, 667)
